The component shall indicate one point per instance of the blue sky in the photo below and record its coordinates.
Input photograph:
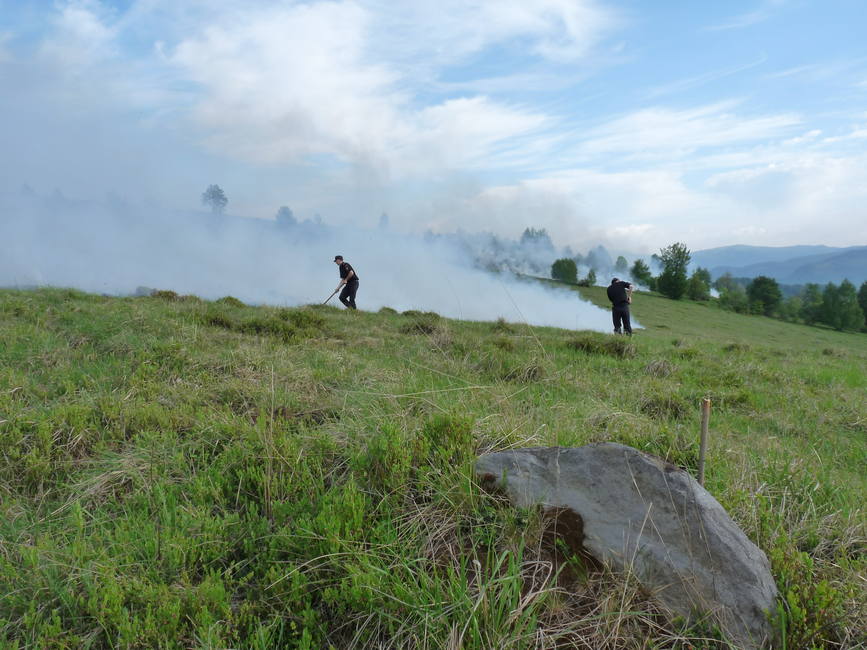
(629, 123)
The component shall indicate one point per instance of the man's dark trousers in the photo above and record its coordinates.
(347, 296)
(620, 313)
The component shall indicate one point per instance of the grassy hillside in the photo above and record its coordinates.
(176, 473)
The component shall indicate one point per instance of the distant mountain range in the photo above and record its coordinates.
(786, 264)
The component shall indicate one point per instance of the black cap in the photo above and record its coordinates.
(338, 257)
(614, 280)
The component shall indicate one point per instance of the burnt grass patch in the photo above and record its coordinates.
(618, 347)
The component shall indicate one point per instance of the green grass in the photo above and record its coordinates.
(178, 473)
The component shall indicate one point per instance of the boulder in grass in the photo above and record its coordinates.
(641, 513)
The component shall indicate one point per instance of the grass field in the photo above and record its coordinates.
(178, 473)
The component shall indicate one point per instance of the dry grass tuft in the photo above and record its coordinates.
(662, 407)
(426, 323)
(526, 373)
(659, 368)
(614, 346)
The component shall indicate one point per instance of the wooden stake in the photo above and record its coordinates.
(702, 449)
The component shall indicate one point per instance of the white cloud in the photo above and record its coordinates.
(857, 133)
(449, 30)
(81, 34)
(287, 83)
(663, 131)
(764, 11)
(809, 136)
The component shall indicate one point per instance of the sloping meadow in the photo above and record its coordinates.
(183, 473)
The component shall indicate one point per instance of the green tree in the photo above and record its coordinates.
(640, 272)
(215, 198)
(811, 304)
(703, 275)
(672, 281)
(698, 288)
(536, 237)
(830, 312)
(862, 300)
(840, 307)
(621, 265)
(735, 299)
(565, 270)
(764, 295)
(726, 282)
(285, 217)
(790, 309)
(589, 281)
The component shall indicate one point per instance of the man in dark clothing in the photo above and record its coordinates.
(349, 282)
(620, 295)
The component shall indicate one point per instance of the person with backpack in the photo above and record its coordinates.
(620, 295)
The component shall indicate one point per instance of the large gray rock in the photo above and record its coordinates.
(643, 513)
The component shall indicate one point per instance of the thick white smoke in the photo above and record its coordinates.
(115, 249)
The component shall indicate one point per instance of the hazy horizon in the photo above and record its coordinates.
(602, 121)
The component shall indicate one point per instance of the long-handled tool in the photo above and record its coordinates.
(331, 296)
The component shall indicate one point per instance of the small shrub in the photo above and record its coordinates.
(230, 301)
(427, 315)
(217, 319)
(450, 439)
(302, 318)
(502, 326)
(164, 294)
(736, 347)
(387, 310)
